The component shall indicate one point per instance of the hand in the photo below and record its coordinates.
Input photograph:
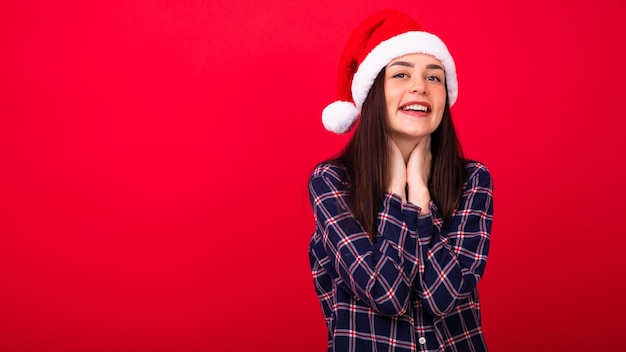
(418, 174)
(419, 164)
(397, 171)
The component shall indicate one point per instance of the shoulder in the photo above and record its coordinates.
(328, 180)
(478, 173)
(332, 171)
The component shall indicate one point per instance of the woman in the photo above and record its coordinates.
(402, 219)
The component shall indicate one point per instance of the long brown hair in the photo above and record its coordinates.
(366, 160)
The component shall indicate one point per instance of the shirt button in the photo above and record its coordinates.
(422, 340)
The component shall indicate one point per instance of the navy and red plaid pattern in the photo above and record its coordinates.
(415, 288)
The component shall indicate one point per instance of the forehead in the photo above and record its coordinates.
(417, 59)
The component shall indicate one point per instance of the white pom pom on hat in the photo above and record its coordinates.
(381, 38)
(338, 117)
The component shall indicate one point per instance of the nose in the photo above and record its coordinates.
(418, 86)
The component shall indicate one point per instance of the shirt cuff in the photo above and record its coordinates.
(409, 210)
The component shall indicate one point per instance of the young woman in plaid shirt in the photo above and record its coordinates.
(402, 219)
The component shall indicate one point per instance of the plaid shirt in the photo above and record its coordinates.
(415, 288)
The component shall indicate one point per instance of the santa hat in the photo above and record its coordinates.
(374, 43)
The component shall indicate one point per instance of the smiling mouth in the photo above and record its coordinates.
(416, 107)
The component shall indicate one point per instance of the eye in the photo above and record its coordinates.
(400, 75)
(433, 78)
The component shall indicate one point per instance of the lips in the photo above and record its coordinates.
(416, 107)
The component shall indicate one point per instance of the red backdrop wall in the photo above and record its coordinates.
(154, 158)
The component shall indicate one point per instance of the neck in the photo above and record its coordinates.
(406, 145)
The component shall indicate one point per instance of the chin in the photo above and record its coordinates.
(416, 134)
(406, 136)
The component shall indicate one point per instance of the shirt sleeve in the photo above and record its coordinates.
(455, 258)
(381, 274)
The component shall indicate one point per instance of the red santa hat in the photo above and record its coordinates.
(374, 43)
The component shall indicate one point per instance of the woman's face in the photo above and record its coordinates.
(416, 95)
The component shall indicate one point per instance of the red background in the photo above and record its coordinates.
(154, 158)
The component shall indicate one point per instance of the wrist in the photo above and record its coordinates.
(398, 188)
(420, 196)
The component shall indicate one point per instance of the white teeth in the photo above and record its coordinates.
(415, 107)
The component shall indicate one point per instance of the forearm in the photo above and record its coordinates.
(447, 277)
(380, 272)
(455, 256)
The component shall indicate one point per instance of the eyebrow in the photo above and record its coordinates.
(408, 64)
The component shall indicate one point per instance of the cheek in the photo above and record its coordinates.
(390, 102)
(441, 107)
(388, 98)
(393, 92)
(439, 122)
